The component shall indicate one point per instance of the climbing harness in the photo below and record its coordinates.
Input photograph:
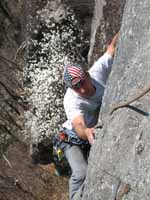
(62, 140)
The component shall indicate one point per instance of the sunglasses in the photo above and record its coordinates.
(79, 84)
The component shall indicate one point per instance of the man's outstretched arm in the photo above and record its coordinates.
(112, 46)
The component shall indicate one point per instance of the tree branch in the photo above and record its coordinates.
(3, 127)
(10, 61)
(6, 115)
(15, 97)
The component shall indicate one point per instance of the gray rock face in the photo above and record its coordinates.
(120, 159)
(11, 85)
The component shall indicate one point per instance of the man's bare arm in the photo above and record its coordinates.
(112, 46)
(83, 132)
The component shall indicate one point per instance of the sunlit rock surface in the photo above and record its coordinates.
(119, 164)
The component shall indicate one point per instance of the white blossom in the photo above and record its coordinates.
(43, 74)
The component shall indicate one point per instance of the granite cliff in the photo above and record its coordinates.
(119, 161)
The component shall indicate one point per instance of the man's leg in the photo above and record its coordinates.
(78, 165)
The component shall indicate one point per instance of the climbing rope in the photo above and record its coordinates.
(126, 103)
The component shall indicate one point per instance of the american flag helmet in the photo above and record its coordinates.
(73, 74)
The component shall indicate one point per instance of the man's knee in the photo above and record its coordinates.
(78, 176)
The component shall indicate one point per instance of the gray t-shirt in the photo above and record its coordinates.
(76, 105)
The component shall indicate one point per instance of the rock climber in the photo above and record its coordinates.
(82, 102)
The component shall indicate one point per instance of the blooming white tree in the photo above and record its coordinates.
(55, 39)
